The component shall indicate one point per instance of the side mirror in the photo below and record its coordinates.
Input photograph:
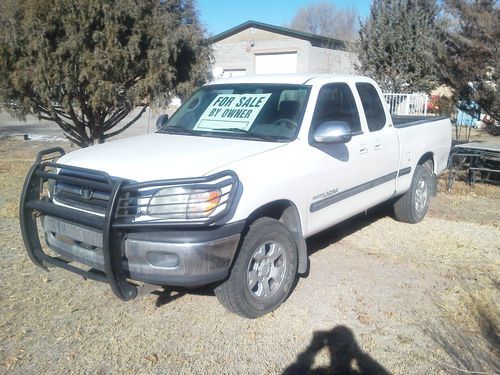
(162, 120)
(333, 132)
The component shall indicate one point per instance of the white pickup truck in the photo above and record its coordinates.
(229, 188)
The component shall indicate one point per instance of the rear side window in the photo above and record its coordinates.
(374, 111)
(336, 103)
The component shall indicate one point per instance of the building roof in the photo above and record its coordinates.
(291, 78)
(316, 40)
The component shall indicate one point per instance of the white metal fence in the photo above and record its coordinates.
(407, 104)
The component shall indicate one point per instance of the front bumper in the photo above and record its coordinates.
(118, 252)
(169, 257)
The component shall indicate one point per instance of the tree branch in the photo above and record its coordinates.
(129, 124)
(116, 118)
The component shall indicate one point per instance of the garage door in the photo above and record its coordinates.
(276, 63)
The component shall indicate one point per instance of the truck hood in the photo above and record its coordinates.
(164, 156)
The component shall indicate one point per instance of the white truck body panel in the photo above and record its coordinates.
(414, 142)
(164, 156)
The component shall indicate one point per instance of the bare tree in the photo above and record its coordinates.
(324, 18)
(468, 58)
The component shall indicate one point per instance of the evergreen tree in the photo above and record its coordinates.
(85, 64)
(396, 44)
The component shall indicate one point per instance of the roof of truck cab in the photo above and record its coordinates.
(297, 78)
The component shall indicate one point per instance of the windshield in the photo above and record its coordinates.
(267, 112)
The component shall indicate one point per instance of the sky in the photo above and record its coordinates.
(220, 15)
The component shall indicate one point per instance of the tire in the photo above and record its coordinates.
(268, 256)
(413, 205)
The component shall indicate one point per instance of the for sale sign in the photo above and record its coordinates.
(232, 111)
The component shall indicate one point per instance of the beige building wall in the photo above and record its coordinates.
(237, 52)
(323, 60)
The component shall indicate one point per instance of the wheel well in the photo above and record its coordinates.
(273, 210)
(429, 156)
(287, 213)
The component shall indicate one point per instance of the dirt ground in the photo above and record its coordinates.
(381, 296)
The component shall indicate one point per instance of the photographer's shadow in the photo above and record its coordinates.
(346, 357)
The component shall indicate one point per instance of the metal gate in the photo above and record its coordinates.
(407, 104)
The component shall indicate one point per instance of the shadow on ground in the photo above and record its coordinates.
(170, 294)
(346, 228)
(346, 357)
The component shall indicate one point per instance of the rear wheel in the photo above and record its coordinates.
(264, 272)
(413, 205)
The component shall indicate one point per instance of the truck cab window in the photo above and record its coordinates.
(336, 103)
(269, 112)
(374, 111)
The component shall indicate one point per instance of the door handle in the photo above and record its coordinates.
(377, 146)
(363, 149)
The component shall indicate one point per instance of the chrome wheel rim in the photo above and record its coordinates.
(266, 270)
(421, 196)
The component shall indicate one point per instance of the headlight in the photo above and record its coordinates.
(183, 203)
(199, 200)
(202, 203)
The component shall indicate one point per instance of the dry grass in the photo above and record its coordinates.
(470, 309)
(470, 333)
(16, 157)
(12, 174)
(10, 209)
(13, 168)
(461, 188)
(479, 203)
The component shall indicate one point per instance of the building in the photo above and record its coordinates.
(259, 48)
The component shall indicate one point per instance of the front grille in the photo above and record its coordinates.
(80, 195)
(93, 191)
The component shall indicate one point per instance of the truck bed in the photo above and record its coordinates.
(405, 121)
(432, 136)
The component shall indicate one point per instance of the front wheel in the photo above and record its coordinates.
(413, 205)
(264, 272)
